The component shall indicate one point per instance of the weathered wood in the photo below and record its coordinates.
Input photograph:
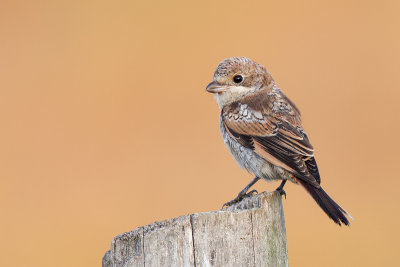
(249, 233)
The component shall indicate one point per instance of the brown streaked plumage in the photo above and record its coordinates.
(262, 128)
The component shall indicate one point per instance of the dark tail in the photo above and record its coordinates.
(331, 208)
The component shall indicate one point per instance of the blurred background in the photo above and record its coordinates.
(106, 125)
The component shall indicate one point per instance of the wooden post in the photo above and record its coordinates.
(249, 233)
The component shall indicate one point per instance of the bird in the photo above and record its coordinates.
(262, 129)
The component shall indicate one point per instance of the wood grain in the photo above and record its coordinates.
(249, 233)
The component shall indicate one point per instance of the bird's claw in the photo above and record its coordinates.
(239, 198)
(281, 191)
(251, 193)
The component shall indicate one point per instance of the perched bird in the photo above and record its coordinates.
(262, 129)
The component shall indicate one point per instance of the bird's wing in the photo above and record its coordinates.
(277, 137)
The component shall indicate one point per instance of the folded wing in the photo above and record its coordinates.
(276, 136)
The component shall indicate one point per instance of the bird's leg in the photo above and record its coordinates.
(280, 188)
(242, 194)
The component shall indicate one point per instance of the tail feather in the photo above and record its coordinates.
(331, 208)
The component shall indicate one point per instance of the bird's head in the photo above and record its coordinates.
(237, 77)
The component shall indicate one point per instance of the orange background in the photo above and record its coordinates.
(106, 125)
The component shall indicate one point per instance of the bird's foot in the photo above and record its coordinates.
(240, 197)
(281, 191)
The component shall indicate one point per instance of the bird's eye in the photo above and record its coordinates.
(237, 78)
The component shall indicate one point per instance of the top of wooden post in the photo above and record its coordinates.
(249, 233)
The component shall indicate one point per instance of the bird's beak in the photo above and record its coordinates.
(214, 87)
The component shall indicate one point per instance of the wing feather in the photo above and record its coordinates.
(278, 139)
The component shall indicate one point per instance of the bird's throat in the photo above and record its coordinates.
(234, 93)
